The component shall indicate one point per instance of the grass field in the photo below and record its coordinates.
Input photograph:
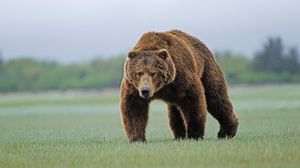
(84, 130)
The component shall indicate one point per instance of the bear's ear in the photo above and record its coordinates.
(132, 54)
(163, 53)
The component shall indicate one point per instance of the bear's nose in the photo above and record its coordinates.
(145, 92)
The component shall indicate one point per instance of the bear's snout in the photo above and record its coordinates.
(146, 88)
(145, 92)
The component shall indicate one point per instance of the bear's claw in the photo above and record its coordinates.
(227, 131)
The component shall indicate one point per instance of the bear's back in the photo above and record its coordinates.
(196, 44)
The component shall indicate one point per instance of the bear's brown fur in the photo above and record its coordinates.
(181, 70)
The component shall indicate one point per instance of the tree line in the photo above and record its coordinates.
(274, 63)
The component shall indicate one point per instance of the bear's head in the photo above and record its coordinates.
(149, 71)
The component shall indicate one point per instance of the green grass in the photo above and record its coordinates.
(84, 130)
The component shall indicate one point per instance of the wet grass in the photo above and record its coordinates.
(84, 130)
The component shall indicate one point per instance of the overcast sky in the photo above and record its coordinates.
(79, 30)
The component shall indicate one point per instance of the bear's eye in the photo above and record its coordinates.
(152, 74)
(139, 74)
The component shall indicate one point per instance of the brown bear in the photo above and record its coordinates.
(180, 70)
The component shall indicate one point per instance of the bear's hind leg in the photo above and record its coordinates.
(218, 102)
(220, 108)
(176, 122)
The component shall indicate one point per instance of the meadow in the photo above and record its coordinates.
(83, 129)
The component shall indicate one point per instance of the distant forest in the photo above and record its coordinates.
(273, 63)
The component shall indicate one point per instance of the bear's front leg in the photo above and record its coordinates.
(193, 108)
(134, 111)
